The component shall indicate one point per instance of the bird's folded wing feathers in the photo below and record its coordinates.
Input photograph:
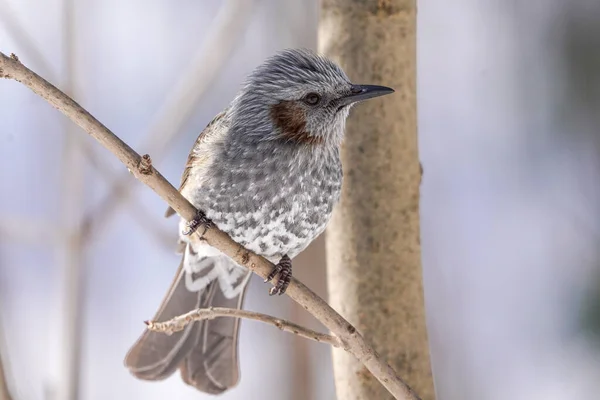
(201, 154)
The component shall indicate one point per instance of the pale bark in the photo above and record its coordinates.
(181, 321)
(373, 247)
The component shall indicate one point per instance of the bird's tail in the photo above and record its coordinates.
(206, 352)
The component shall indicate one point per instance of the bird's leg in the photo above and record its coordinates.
(284, 269)
(199, 219)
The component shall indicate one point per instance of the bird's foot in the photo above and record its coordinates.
(199, 219)
(284, 270)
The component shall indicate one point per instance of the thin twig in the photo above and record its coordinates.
(351, 340)
(178, 323)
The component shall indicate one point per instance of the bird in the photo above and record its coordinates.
(266, 171)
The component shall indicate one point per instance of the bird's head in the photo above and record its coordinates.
(298, 97)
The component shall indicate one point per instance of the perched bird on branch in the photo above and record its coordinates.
(267, 171)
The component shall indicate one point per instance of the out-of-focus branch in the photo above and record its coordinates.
(26, 229)
(70, 252)
(178, 323)
(4, 390)
(351, 340)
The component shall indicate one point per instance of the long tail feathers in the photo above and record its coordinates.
(206, 351)
(212, 365)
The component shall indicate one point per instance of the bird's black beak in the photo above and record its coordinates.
(364, 92)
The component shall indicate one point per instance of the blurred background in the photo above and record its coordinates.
(508, 94)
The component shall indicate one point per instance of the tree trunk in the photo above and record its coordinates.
(373, 246)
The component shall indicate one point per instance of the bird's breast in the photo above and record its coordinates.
(273, 214)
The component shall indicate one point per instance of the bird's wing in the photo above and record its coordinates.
(201, 154)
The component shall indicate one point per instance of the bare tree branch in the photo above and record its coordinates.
(178, 323)
(350, 339)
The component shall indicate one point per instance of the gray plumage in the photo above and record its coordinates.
(266, 171)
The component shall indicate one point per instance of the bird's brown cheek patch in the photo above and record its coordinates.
(291, 120)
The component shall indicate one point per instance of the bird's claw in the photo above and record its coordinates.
(199, 220)
(284, 270)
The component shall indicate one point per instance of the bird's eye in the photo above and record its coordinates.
(312, 99)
